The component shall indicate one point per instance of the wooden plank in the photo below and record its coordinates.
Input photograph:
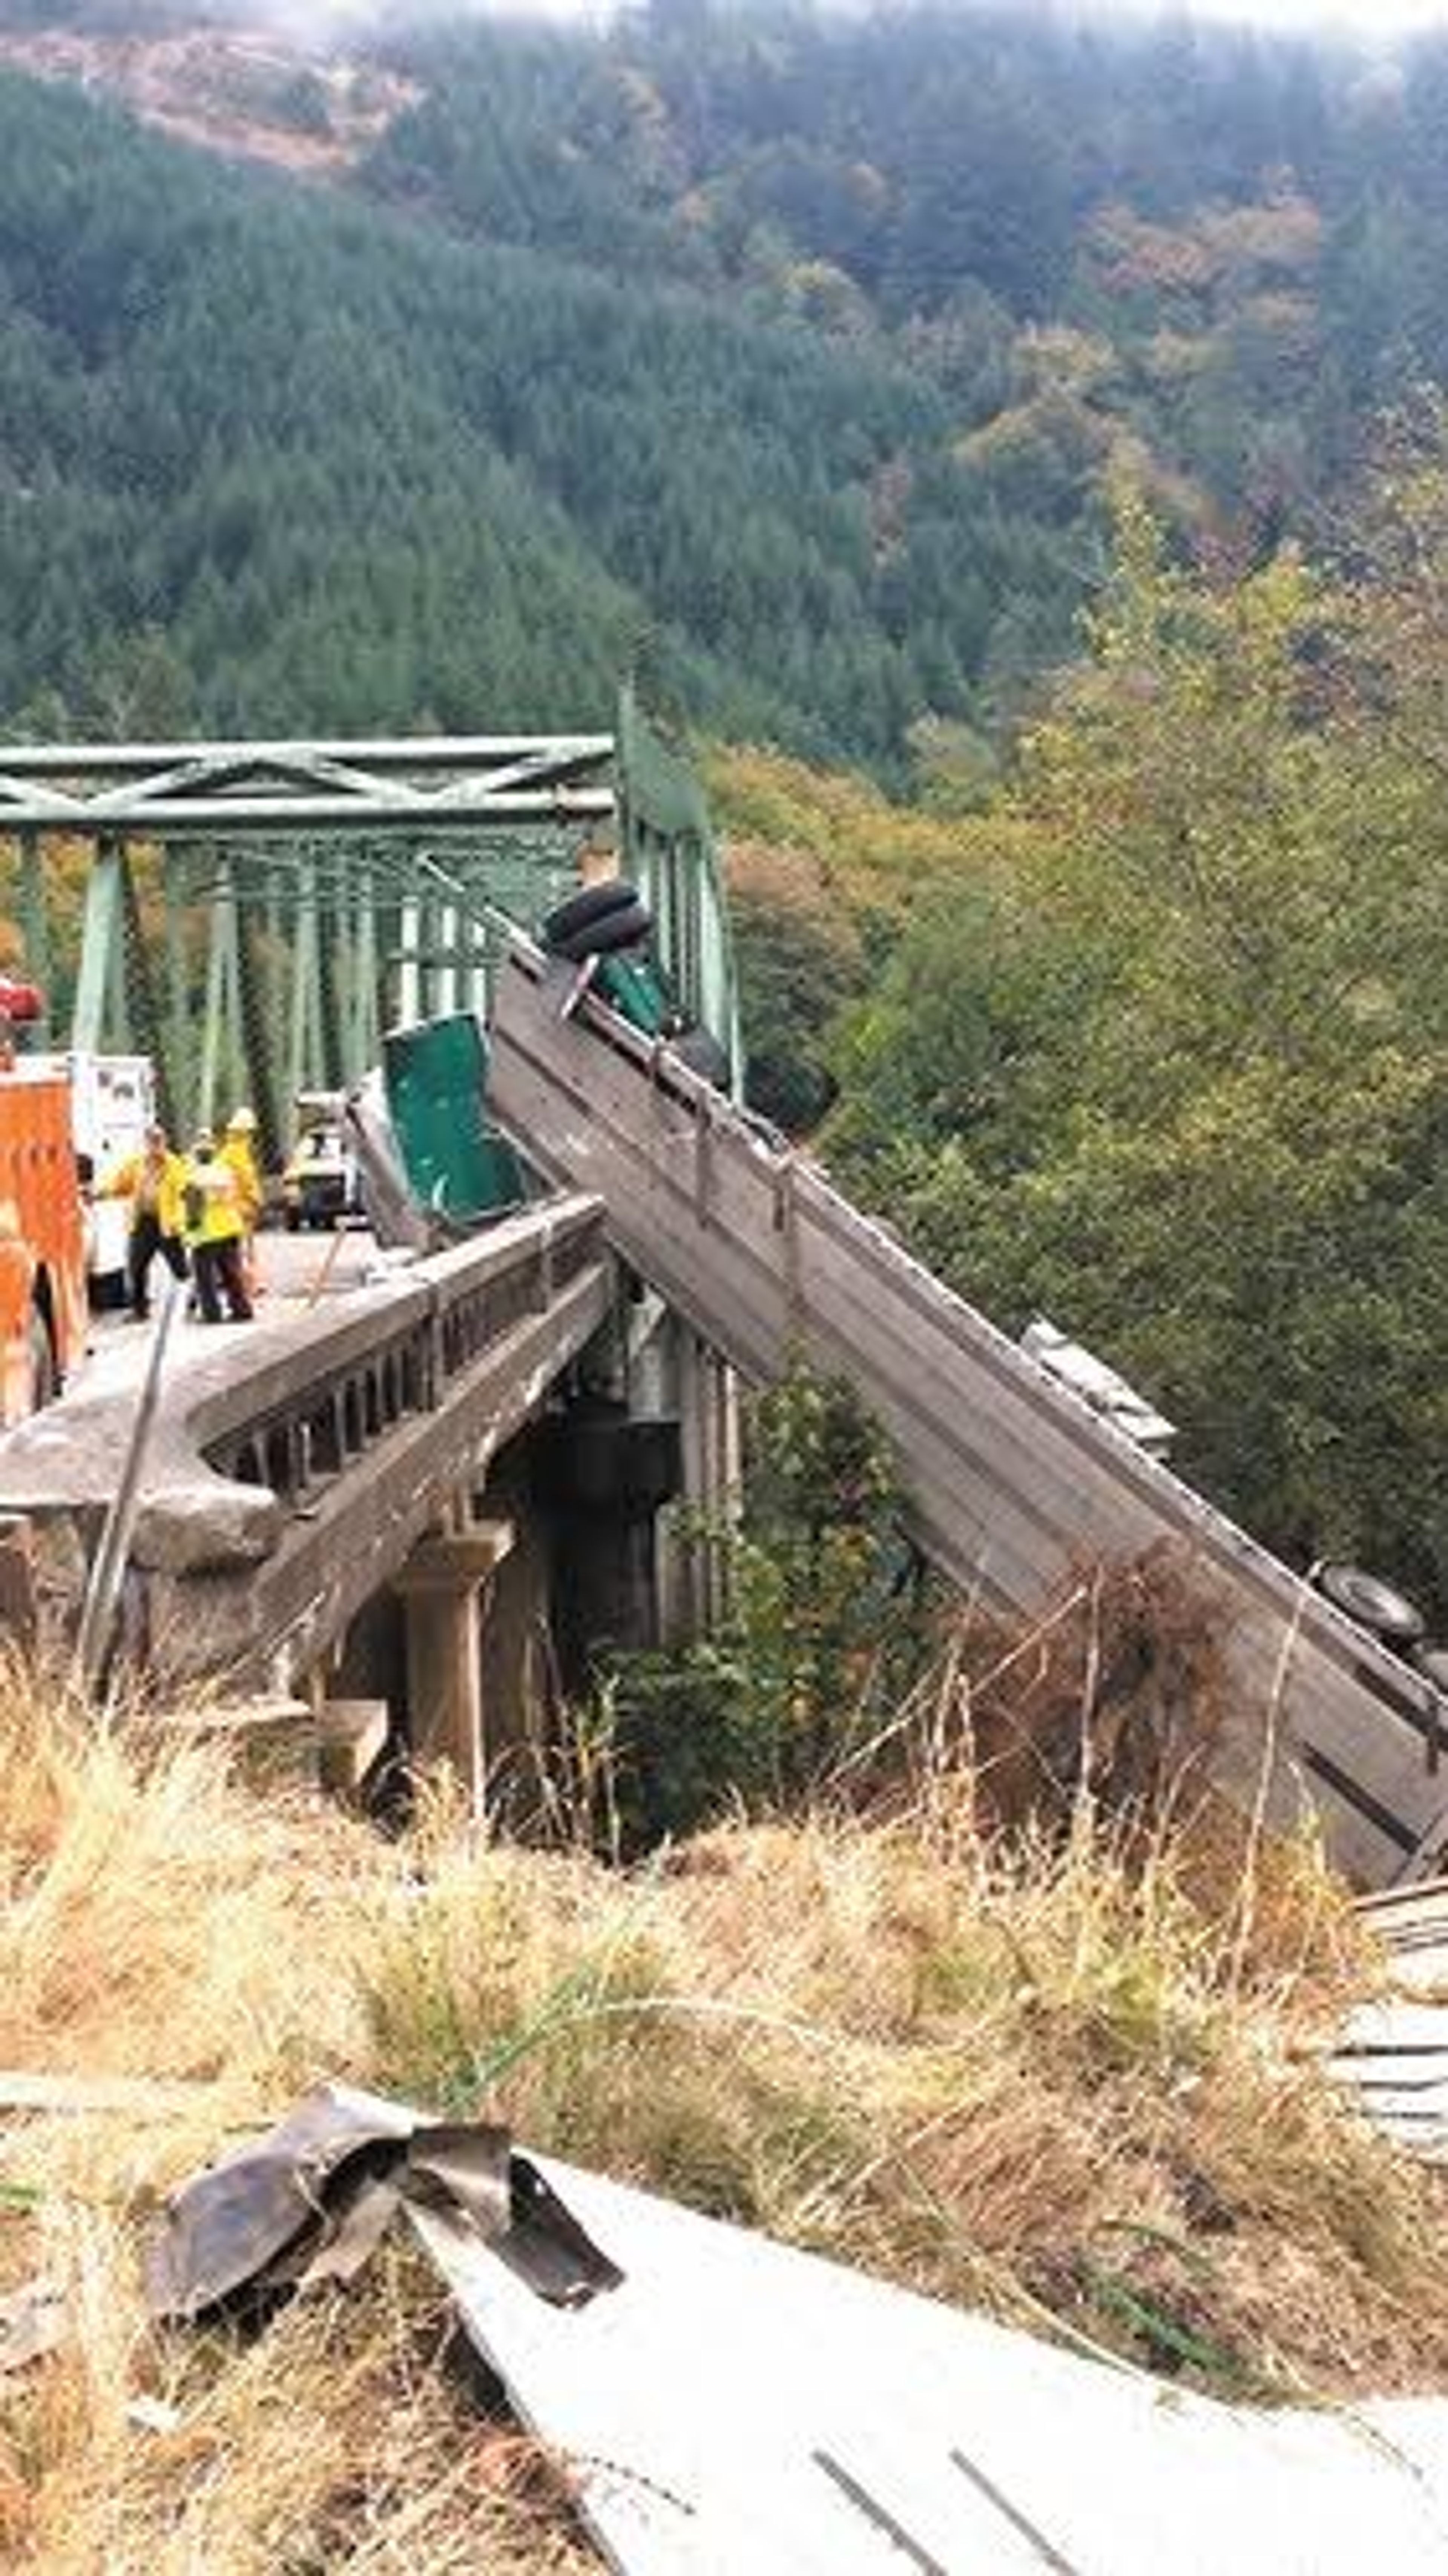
(1408, 2116)
(1419, 2084)
(139, 2097)
(1394, 2025)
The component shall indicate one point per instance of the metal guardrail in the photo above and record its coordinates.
(266, 1418)
(294, 1467)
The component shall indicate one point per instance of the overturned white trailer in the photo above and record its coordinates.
(1013, 1478)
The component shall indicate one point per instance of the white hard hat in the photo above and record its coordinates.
(242, 1122)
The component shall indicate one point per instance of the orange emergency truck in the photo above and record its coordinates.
(42, 1233)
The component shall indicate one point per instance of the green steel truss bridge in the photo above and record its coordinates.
(255, 913)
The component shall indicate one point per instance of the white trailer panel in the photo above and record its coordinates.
(1014, 1478)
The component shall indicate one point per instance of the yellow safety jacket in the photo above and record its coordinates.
(236, 1152)
(130, 1179)
(213, 1202)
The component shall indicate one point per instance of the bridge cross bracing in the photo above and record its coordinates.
(255, 913)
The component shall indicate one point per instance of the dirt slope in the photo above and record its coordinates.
(250, 95)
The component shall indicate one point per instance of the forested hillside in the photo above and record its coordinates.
(791, 358)
(342, 471)
(1199, 256)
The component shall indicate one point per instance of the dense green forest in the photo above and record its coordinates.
(342, 472)
(1202, 256)
(789, 359)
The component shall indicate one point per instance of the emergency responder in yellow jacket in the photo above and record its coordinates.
(215, 1233)
(155, 1183)
(238, 1150)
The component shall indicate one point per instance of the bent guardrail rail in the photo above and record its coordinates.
(292, 1468)
(1013, 1478)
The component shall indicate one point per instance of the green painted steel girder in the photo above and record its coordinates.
(312, 890)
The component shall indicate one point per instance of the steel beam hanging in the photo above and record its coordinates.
(361, 1016)
(223, 1039)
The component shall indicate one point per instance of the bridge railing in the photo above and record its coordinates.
(335, 1389)
(252, 1430)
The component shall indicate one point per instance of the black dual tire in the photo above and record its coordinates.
(626, 928)
(1372, 1604)
(591, 904)
(595, 921)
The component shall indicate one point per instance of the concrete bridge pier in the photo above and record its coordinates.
(702, 1392)
(441, 1587)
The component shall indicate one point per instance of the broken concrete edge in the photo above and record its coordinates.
(59, 1470)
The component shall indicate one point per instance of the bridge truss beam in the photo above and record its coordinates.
(256, 912)
(173, 791)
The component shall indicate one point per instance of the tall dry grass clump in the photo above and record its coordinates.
(1043, 2079)
(1062, 2075)
(193, 1957)
(151, 1920)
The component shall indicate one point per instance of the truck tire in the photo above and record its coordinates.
(44, 1375)
(626, 928)
(582, 910)
(1371, 1604)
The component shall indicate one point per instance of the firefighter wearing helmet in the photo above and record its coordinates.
(237, 1151)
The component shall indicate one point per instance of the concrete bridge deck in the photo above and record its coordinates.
(296, 1463)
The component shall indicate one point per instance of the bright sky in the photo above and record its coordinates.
(1359, 18)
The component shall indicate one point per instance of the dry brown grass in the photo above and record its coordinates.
(1046, 2079)
(341, 2438)
(159, 1921)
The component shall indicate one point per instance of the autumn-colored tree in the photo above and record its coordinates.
(1178, 1074)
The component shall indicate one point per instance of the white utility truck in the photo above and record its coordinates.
(113, 1103)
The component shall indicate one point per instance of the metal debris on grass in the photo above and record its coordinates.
(310, 2201)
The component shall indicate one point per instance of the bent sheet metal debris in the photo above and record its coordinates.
(739, 2408)
(309, 2201)
(732, 2404)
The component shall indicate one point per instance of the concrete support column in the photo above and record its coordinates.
(692, 1577)
(440, 1586)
